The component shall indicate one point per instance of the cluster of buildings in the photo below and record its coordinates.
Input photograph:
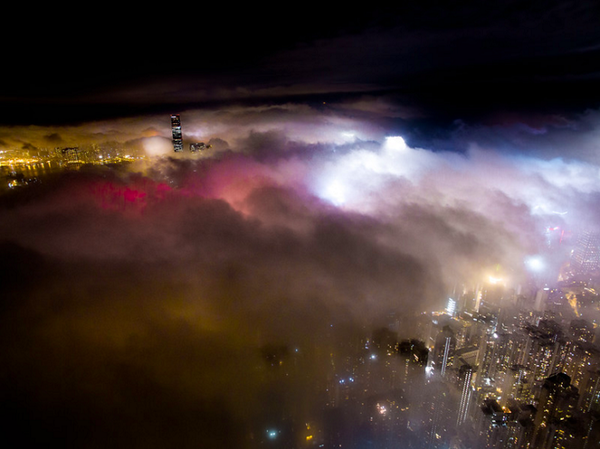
(533, 383)
(494, 370)
(178, 137)
(20, 167)
(24, 166)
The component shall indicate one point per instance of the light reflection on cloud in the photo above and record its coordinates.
(353, 163)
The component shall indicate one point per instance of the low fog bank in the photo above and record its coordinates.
(139, 302)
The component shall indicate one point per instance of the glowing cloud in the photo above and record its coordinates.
(335, 192)
(395, 143)
(535, 263)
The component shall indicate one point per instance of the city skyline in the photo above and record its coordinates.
(368, 229)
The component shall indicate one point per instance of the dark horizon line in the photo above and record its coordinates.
(444, 100)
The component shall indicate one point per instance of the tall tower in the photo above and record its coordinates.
(465, 382)
(557, 403)
(586, 255)
(413, 355)
(176, 128)
(443, 351)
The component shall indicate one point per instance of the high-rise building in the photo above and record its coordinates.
(557, 403)
(541, 298)
(439, 413)
(582, 330)
(451, 307)
(384, 341)
(413, 355)
(443, 351)
(466, 392)
(177, 136)
(491, 428)
(199, 146)
(590, 391)
(586, 255)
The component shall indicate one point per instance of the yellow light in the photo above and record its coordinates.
(494, 280)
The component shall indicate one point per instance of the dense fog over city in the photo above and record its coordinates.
(353, 177)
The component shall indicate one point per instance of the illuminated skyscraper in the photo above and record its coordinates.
(439, 414)
(443, 351)
(414, 355)
(492, 425)
(590, 391)
(557, 403)
(586, 255)
(582, 330)
(451, 307)
(385, 341)
(177, 137)
(466, 388)
(198, 146)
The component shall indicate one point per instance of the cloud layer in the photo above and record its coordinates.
(138, 300)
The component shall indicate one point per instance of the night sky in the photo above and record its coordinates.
(364, 160)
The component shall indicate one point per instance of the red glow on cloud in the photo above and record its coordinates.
(232, 181)
(117, 197)
(114, 196)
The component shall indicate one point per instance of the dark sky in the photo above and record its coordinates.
(467, 59)
(365, 160)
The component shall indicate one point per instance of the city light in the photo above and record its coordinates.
(335, 192)
(535, 263)
(395, 143)
(451, 306)
(495, 343)
(272, 434)
(338, 228)
(495, 280)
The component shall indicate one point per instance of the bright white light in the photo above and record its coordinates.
(395, 143)
(535, 263)
(335, 193)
